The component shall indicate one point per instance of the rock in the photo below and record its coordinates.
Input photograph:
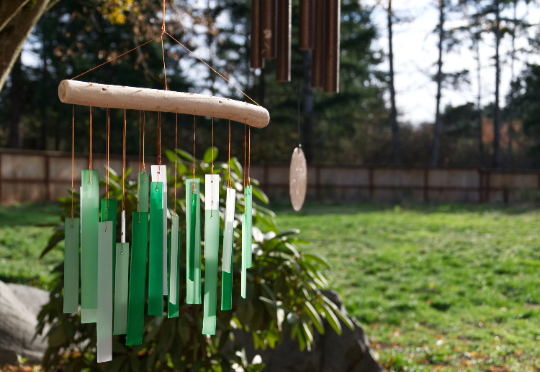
(19, 307)
(348, 352)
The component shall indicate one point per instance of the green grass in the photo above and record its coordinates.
(21, 243)
(447, 288)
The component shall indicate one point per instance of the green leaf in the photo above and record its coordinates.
(332, 319)
(260, 195)
(56, 238)
(314, 316)
(307, 332)
(343, 317)
(288, 232)
(208, 158)
(184, 154)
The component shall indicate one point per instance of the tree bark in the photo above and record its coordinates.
(396, 146)
(308, 109)
(512, 97)
(15, 93)
(9, 9)
(479, 103)
(497, 113)
(16, 31)
(437, 127)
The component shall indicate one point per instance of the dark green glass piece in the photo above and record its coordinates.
(244, 255)
(211, 253)
(155, 270)
(172, 309)
(71, 265)
(89, 242)
(193, 225)
(248, 201)
(137, 278)
(121, 273)
(143, 180)
(226, 284)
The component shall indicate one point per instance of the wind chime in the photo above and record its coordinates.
(113, 276)
(271, 39)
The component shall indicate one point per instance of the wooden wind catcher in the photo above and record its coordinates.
(113, 275)
(271, 26)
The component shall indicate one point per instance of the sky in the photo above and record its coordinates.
(415, 56)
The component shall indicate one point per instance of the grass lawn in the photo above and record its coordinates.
(21, 243)
(447, 288)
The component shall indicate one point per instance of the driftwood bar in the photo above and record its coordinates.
(119, 97)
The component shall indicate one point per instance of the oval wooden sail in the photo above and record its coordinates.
(298, 179)
(116, 96)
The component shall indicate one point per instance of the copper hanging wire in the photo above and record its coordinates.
(229, 151)
(194, 115)
(72, 156)
(244, 170)
(139, 173)
(175, 157)
(124, 164)
(158, 147)
(212, 169)
(90, 156)
(249, 156)
(143, 127)
(107, 177)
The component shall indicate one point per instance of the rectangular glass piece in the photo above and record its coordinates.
(121, 289)
(137, 278)
(105, 293)
(71, 265)
(88, 316)
(143, 181)
(155, 270)
(249, 219)
(159, 174)
(174, 250)
(228, 236)
(172, 309)
(193, 229)
(211, 252)
(226, 283)
(89, 238)
(244, 267)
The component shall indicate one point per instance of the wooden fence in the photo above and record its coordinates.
(38, 176)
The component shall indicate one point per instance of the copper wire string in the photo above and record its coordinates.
(244, 170)
(229, 152)
(124, 164)
(107, 178)
(249, 155)
(175, 155)
(194, 116)
(143, 126)
(90, 151)
(139, 173)
(212, 168)
(72, 156)
(158, 147)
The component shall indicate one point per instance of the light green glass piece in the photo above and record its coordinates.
(121, 289)
(105, 293)
(193, 282)
(226, 284)
(155, 270)
(172, 309)
(211, 254)
(249, 218)
(244, 254)
(71, 265)
(137, 278)
(108, 213)
(143, 182)
(89, 242)
(88, 316)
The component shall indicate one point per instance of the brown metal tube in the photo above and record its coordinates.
(317, 71)
(269, 29)
(332, 50)
(256, 32)
(307, 22)
(283, 70)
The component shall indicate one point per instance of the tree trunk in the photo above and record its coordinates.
(479, 103)
(512, 97)
(308, 109)
(396, 147)
(15, 93)
(437, 128)
(497, 113)
(16, 31)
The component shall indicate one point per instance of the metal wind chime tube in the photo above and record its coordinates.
(269, 29)
(306, 33)
(318, 60)
(332, 49)
(257, 60)
(283, 67)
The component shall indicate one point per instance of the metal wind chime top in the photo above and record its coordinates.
(319, 31)
(113, 275)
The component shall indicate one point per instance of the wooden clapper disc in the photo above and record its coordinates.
(298, 179)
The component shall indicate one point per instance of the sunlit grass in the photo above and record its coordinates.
(447, 288)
